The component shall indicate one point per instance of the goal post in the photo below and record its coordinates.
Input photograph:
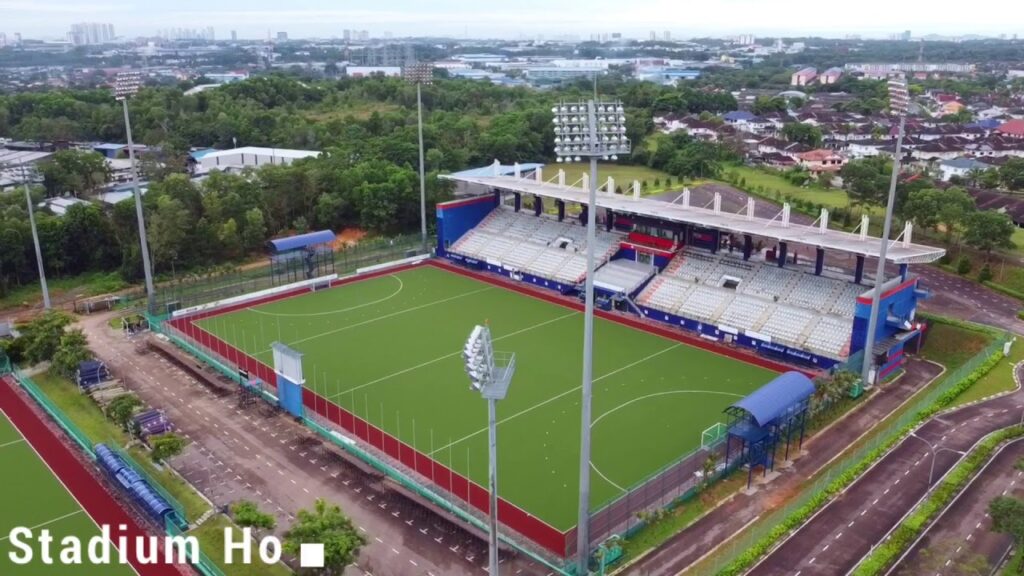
(713, 435)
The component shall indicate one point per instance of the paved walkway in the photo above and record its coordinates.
(843, 532)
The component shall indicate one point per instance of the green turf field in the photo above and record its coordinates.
(31, 496)
(389, 348)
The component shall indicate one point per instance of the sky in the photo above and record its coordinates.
(520, 18)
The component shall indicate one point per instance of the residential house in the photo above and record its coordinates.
(830, 76)
(821, 160)
(803, 77)
(959, 167)
(952, 107)
(1012, 129)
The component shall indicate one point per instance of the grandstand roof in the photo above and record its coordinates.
(774, 398)
(301, 241)
(500, 170)
(829, 239)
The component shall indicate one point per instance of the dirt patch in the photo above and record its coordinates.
(349, 237)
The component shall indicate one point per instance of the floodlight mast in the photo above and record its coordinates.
(593, 129)
(490, 374)
(35, 238)
(899, 103)
(421, 74)
(127, 85)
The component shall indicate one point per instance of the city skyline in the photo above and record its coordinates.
(530, 18)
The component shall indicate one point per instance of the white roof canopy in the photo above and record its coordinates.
(900, 251)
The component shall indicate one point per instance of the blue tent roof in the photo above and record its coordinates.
(773, 399)
(301, 241)
(738, 115)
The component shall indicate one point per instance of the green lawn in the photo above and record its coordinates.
(1000, 379)
(84, 413)
(211, 542)
(389, 349)
(32, 497)
(91, 284)
(952, 346)
(772, 182)
(623, 174)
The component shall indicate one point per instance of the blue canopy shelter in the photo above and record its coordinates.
(760, 420)
(301, 257)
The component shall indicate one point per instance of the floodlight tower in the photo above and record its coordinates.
(35, 237)
(490, 373)
(592, 129)
(899, 103)
(421, 74)
(125, 86)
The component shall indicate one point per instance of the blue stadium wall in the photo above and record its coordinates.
(897, 306)
(457, 217)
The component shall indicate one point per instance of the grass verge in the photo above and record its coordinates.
(81, 410)
(211, 542)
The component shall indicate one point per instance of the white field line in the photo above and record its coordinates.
(401, 286)
(48, 522)
(384, 317)
(645, 397)
(556, 397)
(453, 354)
(12, 443)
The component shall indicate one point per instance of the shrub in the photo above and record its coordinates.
(985, 274)
(963, 265)
(657, 182)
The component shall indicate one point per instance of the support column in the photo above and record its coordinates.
(518, 201)
(748, 246)
(583, 215)
(819, 261)
(561, 209)
(716, 239)
(609, 219)
(904, 271)
(858, 274)
(780, 256)
(538, 205)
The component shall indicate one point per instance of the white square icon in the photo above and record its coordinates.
(311, 555)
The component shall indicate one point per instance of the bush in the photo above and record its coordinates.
(657, 182)
(167, 446)
(247, 514)
(963, 265)
(668, 182)
(946, 259)
(985, 274)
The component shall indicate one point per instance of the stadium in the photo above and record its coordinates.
(704, 346)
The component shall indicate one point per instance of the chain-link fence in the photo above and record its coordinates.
(746, 541)
(225, 282)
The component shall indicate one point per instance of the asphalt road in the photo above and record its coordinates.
(964, 528)
(238, 452)
(688, 546)
(843, 532)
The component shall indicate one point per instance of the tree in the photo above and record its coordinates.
(42, 336)
(766, 104)
(802, 133)
(248, 514)
(169, 227)
(327, 525)
(71, 351)
(939, 210)
(75, 172)
(1011, 174)
(1008, 518)
(867, 180)
(255, 230)
(166, 446)
(988, 230)
(122, 408)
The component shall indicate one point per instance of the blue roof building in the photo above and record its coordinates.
(738, 116)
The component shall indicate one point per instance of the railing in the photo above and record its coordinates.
(203, 563)
(54, 412)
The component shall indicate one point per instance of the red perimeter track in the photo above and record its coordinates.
(560, 543)
(91, 495)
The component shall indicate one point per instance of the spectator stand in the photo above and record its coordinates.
(301, 257)
(760, 422)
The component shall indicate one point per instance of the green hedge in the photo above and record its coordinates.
(1005, 290)
(879, 560)
(742, 563)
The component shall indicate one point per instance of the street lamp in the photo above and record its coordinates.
(591, 129)
(421, 74)
(899, 102)
(490, 373)
(935, 450)
(127, 85)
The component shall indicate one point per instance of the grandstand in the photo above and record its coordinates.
(668, 259)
